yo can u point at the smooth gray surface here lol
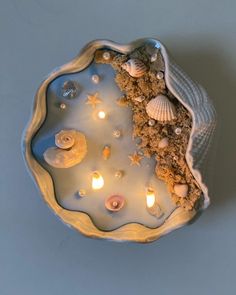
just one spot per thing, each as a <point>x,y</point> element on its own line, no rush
<point>38,254</point>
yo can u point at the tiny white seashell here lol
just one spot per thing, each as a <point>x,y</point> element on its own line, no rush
<point>119,174</point>
<point>135,67</point>
<point>116,133</point>
<point>161,109</point>
<point>181,190</point>
<point>153,57</point>
<point>82,192</point>
<point>71,149</point>
<point>139,98</point>
<point>164,142</point>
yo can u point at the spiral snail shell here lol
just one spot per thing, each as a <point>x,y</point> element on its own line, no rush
<point>71,149</point>
<point>135,67</point>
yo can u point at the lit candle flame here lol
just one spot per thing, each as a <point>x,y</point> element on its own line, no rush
<point>150,198</point>
<point>97,180</point>
<point>102,115</point>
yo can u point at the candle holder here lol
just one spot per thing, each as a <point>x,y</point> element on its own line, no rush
<point>159,131</point>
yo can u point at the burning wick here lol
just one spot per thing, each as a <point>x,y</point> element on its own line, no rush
<point>97,181</point>
<point>102,115</point>
<point>150,198</point>
<point>152,206</point>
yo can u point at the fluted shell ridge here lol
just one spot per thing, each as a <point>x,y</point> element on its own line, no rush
<point>195,99</point>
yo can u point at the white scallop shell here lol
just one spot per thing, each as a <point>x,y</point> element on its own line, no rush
<point>71,149</point>
<point>135,67</point>
<point>161,109</point>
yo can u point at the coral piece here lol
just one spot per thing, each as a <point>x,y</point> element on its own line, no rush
<point>71,149</point>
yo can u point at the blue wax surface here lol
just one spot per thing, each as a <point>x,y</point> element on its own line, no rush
<point>82,117</point>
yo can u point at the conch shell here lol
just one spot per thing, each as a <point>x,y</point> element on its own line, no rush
<point>135,67</point>
<point>161,109</point>
<point>71,149</point>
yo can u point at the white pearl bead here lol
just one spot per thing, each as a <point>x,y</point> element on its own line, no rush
<point>95,78</point>
<point>178,131</point>
<point>160,75</point>
<point>106,55</point>
<point>62,106</point>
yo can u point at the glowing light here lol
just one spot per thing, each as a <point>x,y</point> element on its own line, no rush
<point>97,180</point>
<point>150,198</point>
<point>102,115</point>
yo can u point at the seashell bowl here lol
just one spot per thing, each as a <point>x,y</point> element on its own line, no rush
<point>69,147</point>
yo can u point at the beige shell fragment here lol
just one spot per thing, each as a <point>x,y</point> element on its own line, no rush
<point>161,109</point>
<point>163,143</point>
<point>181,190</point>
<point>71,149</point>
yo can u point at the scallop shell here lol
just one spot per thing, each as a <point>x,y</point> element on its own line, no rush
<point>71,149</point>
<point>161,109</point>
<point>135,67</point>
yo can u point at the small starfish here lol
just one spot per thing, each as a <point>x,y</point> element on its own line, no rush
<point>93,99</point>
<point>135,159</point>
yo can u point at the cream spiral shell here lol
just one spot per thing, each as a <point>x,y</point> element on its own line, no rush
<point>161,109</point>
<point>71,149</point>
<point>135,67</point>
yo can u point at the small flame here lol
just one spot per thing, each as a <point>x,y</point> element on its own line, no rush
<point>150,198</point>
<point>97,180</point>
<point>102,115</point>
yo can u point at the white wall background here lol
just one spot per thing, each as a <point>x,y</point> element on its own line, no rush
<point>38,254</point>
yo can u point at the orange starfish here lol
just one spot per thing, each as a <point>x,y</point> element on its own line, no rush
<point>135,159</point>
<point>93,99</point>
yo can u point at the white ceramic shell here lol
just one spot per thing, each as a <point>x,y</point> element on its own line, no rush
<point>188,92</point>
<point>161,109</point>
<point>71,149</point>
<point>135,67</point>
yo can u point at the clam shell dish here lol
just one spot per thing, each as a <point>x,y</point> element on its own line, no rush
<point>118,142</point>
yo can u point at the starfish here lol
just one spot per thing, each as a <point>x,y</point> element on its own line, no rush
<point>135,159</point>
<point>93,99</point>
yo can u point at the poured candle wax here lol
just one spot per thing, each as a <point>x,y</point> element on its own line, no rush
<point>136,171</point>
